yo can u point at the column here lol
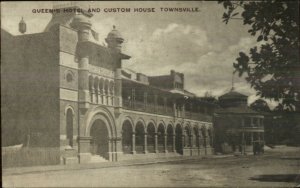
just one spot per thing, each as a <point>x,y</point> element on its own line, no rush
<point>145,143</point>
<point>118,88</point>
<point>110,149</point>
<point>174,143</point>
<point>118,147</point>
<point>112,95</point>
<point>133,143</point>
<point>183,111</point>
<point>99,93</point>
<point>92,90</point>
<point>156,144</point>
<point>174,108</point>
<point>199,140</point>
<point>104,93</point>
<point>165,143</point>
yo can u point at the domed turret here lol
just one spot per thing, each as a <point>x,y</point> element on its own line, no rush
<point>233,99</point>
<point>114,40</point>
<point>22,26</point>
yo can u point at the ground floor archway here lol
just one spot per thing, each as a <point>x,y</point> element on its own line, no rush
<point>99,139</point>
<point>178,139</point>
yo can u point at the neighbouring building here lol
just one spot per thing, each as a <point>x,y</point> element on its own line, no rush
<point>64,90</point>
<point>237,128</point>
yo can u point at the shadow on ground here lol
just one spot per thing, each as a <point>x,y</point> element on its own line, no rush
<point>277,178</point>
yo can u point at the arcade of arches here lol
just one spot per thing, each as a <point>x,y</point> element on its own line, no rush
<point>186,140</point>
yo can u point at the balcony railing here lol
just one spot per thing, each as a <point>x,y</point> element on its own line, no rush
<point>163,110</point>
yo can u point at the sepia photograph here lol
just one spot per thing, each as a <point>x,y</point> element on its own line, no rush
<point>150,93</point>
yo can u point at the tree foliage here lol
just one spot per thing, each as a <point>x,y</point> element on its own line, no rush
<point>272,66</point>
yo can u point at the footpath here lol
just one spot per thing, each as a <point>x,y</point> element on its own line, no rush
<point>41,169</point>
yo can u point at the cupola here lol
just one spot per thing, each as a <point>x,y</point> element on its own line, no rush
<point>114,40</point>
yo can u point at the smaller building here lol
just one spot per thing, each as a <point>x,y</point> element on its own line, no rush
<point>238,129</point>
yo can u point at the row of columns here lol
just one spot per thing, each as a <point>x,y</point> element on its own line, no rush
<point>100,94</point>
<point>201,142</point>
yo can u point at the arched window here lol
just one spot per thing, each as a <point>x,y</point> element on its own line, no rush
<point>127,137</point>
<point>160,137</point>
<point>178,139</point>
<point>139,137</point>
<point>170,137</point>
<point>151,138</point>
<point>69,127</point>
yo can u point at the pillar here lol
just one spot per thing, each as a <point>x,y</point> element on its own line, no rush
<point>118,88</point>
<point>110,149</point>
<point>118,147</point>
<point>145,143</point>
<point>174,143</point>
<point>165,143</point>
<point>174,109</point>
<point>156,143</point>
<point>133,143</point>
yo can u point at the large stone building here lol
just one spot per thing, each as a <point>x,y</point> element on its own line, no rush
<point>66,91</point>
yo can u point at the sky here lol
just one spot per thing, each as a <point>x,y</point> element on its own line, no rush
<point>197,44</point>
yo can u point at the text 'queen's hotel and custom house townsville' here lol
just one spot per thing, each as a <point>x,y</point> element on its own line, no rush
<point>116,10</point>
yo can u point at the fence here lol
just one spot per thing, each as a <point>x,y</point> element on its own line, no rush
<point>30,157</point>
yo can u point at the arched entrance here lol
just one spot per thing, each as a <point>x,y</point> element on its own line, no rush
<point>127,137</point>
<point>139,138</point>
<point>161,138</point>
<point>151,138</point>
<point>99,141</point>
<point>170,138</point>
<point>178,139</point>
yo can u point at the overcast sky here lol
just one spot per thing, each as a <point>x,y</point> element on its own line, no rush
<point>197,44</point>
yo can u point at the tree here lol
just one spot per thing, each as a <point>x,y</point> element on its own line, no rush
<point>271,67</point>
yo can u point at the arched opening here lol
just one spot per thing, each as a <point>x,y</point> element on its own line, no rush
<point>69,127</point>
<point>139,138</point>
<point>170,138</point>
<point>151,138</point>
<point>127,137</point>
<point>187,141</point>
<point>178,139</point>
<point>99,141</point>
<point>196,135</point>
<point>160,138</point>
<point>210,137</point>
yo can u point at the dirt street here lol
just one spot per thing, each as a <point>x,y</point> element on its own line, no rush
<point>278,167</point>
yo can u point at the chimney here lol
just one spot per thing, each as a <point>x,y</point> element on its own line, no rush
<point>22,26</point>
